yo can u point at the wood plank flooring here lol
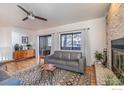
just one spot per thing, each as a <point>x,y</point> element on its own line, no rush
<point>90,70</point>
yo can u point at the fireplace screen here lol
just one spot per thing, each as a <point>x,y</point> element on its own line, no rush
<point>118,58</point>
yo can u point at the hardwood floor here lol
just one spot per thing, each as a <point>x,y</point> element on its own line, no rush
<point>14,66</point>
<point>90,70</point>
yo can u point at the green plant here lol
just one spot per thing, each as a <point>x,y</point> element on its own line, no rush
<point>98,56</point>
<point>120,76</point>
<point>110,80</point>
<point>29,46</point>
<point>16,46</point>
<point>21,47</point>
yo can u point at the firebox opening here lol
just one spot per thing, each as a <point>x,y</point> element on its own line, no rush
<point>118,58</point>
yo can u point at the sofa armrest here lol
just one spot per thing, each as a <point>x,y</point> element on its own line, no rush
<point>82,64</point>
<point>48,57</point>
<point>11,81</point>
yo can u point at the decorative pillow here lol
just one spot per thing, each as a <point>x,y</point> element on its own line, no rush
<point>66,55</point>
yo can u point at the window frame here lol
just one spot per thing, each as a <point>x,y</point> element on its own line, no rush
<point>72,48</point>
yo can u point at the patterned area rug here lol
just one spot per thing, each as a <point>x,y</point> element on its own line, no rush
<point>64,77</point>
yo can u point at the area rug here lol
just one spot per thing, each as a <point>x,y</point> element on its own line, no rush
<point>64,77</point>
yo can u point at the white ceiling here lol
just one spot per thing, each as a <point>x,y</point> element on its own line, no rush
<point>57,14</point>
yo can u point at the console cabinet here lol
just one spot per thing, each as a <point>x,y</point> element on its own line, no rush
<point>23,54</point>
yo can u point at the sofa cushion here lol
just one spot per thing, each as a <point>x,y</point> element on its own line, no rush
<point>66,55</point>
<point>74,56</point>
<point>57,54</point>
<point>3,75</point>
<point>52,60</point>
<point>57,61</point>
<point>73,63</point>
<point>61,62</point>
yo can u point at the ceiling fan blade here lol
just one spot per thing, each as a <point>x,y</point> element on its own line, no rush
<point>40,18</point>
<point>23,9</point>
<point>25,19</point>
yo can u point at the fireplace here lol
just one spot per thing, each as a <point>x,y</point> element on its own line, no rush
<point>118,58</point>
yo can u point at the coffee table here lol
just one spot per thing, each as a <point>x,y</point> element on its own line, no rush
<point>48,69</point>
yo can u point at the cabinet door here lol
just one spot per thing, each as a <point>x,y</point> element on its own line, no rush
<point>21,54</point>
<point>17,55</point>
<point>27,53</point>
<point>30,53</point>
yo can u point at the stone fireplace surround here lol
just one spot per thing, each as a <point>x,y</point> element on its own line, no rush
<point>114,27</point>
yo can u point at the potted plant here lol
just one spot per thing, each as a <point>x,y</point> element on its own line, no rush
<point>99,57</point>
<point>110,80</point>
<point>29,46</point>
<point>16,47</point>
<point>21,47</point>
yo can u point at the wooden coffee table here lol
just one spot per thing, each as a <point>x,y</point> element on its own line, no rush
<point>48,69</point>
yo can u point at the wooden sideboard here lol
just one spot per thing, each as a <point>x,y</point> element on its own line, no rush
<point>24,54</point>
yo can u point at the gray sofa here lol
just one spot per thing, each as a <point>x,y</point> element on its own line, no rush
<point>73,61</point>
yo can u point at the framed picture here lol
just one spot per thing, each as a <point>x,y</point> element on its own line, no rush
<point>24,40</point>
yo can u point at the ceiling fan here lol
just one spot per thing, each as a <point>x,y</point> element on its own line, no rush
<point>30,15</point>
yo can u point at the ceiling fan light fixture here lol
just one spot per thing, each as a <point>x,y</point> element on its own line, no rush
<point>31,17</point>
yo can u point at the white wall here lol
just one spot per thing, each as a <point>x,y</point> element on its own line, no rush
<point>97,33</point>
<point>97,37</point>
<point>17,34</point>
<point>9,36</point>
<point>5,36</point>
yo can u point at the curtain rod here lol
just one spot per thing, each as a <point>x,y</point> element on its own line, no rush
<point>68,31</point>
<point>74,30</point>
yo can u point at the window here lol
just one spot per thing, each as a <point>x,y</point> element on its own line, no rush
<point>71,41</point>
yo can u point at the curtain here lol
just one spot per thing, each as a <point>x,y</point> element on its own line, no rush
<point>86,46</point>
<point>53,44</point>
<point>37,48</point>
<point>83,42</point>
<point>57,41</point>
